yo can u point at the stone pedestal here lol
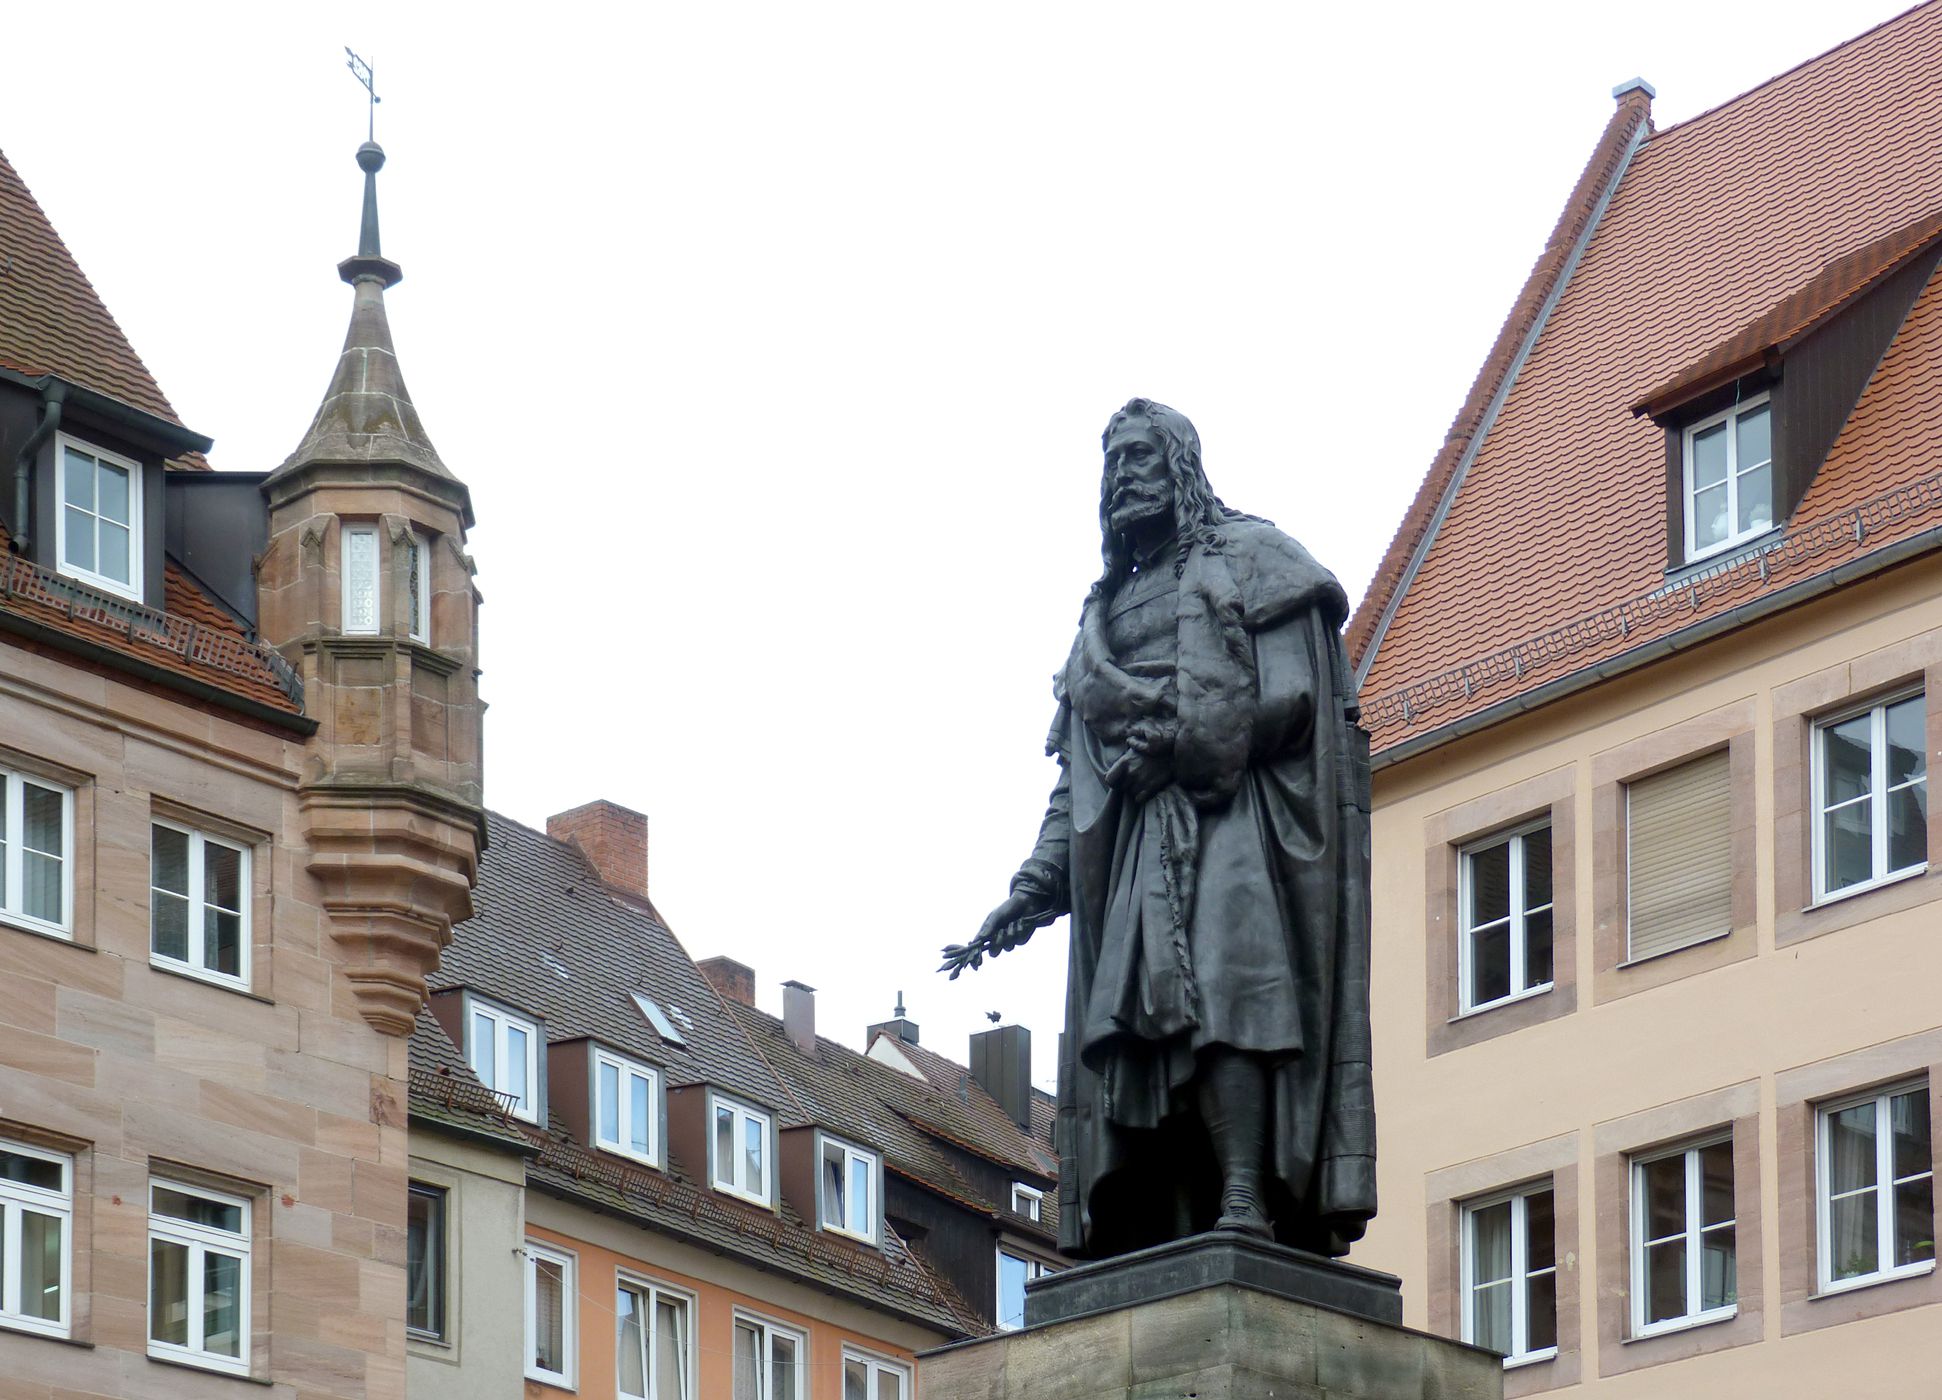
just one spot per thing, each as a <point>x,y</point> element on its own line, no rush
<point>1216,1317</point>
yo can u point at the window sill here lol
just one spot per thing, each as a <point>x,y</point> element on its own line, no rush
<point>1913,872</point>
<point>195,974</point>
<point>208,1368</point>
<point>1907,1271</point>
<point>1669,952</point>
<point>26,924</point>
<point>1536,1358</point>
<point>1684,1324</point>
<point>615,1150</point>
<point>842,1233</point>
<point>727,1190</point>
<point>1528,994</point>
<point>46,1331</point>
<point>101,583</point>
<point>1726,551</point>
<point>558,1382</point>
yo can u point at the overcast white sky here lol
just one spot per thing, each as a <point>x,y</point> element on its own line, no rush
<point>774,341</point>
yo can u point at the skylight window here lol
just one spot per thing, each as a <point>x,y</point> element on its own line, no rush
<point>658,1019</point>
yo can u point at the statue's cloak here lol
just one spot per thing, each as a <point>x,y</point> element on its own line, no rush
<point>1230,909</point>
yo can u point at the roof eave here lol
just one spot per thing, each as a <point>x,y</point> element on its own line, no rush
<point>1743,615</point>
<point>145,429</point>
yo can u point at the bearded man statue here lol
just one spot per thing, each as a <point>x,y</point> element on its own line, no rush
<point>1209,836</point>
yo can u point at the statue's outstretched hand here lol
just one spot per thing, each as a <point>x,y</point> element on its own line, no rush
<point>1008,926</point>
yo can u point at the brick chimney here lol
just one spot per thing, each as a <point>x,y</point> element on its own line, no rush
<point>1001,1062</point>
<point>734,980</point>
<point>613,838</point>
<point>799,1015</point>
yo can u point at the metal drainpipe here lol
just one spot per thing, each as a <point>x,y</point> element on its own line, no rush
<point>51,399</point>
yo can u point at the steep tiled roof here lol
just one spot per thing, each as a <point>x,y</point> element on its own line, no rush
<point>1724,231</point>
<point>976,1121</point>
<point>51,319</point>
<point>444,1090</point>
<point>549,938</point>
<point>903,1117</point>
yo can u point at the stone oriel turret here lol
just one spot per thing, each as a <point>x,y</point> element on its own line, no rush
<point>367,590</point>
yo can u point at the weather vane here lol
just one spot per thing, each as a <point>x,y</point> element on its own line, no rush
<point>362,72</point>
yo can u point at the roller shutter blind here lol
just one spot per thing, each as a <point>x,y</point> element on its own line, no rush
<point>1679,884</point>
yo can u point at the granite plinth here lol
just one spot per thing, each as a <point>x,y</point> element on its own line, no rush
<point>1223,1341</point>
<point>1217,1257</point>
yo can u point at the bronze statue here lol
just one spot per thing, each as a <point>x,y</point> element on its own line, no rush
<point>1209,835</point>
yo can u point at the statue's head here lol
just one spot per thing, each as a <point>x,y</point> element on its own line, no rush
<point>1152,473</point>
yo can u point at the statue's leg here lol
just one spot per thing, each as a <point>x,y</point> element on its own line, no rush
<point>1234,1106</point>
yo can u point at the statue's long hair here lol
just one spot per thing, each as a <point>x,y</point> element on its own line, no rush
<point>1198,513</point>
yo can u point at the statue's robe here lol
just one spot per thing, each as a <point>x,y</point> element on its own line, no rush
<point>1229,909</point>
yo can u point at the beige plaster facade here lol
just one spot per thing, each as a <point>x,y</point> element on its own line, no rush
<point>1746,1032</point>
<point>481,1355</point>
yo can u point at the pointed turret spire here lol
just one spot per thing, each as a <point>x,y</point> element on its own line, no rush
<point>367,417</point>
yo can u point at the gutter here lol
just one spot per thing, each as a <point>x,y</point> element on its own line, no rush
<point>59,640</point>
<point>1741,615</point>
<point>53,394</point>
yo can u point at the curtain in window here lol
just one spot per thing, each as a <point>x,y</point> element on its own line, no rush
<point>670,1349</point>
<point>549,1315</point>
<point>856,1380</point>
<point>1490,1277</point>
<point>44,850</point>
<point>1853,1236</point>
<point>632,1343</point>
<point>782,1369</point>
<point>40,1265</point>
<point>748,1363</point>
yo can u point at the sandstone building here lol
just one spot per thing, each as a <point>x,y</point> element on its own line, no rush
<point>239,813</point>
<point>1653,670</point>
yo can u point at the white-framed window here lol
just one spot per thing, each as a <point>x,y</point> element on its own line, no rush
<point>1684,1266</point>
<point>36,1238</point>
<point>551,1314</point>
<point>847,1188</point>
<point>503,1050</point>
<point>868,1377</point>
<point>426,1263</point>
<point>655,1344</point>
<point>626,1108</point>
<point>1870,796</point>
<point>198,901</point>
<point>418,587</point>
<point>362,594</point>
<point>1510,1274</point>
<point>198,1276</point>
<point>1014,1272</point>
<point>1876,1187</point>
<point>36,845</point>
<point>1027,1201</point>
<point>1729,477</point>
<point>770,1359</point>
<point>1504,893</point>
<point>740,1148</point>
<point>99,528</point>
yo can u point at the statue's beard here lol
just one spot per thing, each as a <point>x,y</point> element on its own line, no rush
<point>1131,509</point>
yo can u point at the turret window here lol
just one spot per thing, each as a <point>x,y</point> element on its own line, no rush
<point>99,525</point>
<point>418,586</point>
<point>361,580</point>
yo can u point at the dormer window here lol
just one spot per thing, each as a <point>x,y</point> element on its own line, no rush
<point>1027,1201</point>
<point>100,523</point>
<point>626,1108</point>
<point>360,580</point>
<point>847,1185</point>
<point>1729,477</point>
<point>740,1147</point>
<point>503,1050</point>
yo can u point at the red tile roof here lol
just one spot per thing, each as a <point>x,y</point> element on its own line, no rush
<point>190,636</point>
<point>1725,234</point>
<point>52,321</point>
